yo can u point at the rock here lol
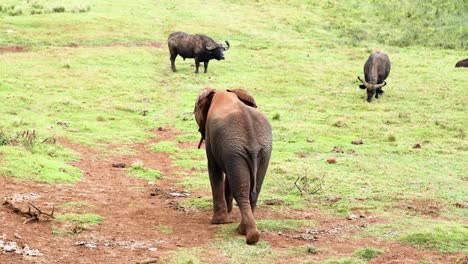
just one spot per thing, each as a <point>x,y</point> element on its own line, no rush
<point>161,129</point>
<point>10,247</point>
<point>357,142</point>
<point>337,150</point>
<point>353,217</point>
<point>310,140</point>
<point>63,123</point>
<point>180,194</point>
<point>417,146</point>
<point>119,165</point>
<point>273,202</point>
<point>185,118</point>
<point>331,160</point>
<point>153,249</point>
<point>333,198</point>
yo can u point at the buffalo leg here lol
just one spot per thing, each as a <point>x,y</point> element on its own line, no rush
<point>197,64</point>
<point>173,57</point>
<point>205,64</point>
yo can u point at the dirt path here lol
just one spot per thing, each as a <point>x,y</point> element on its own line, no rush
<point>132,212</point>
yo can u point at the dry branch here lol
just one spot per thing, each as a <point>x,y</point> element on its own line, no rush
<point>149,261</point>
<point>31,215</point>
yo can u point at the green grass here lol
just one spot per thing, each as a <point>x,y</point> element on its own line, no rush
<point>138,170</point>
<point>79,219</point>
<point>164,229</point>
<point>368,253</point>
<point>300,59</point>
<point>77,204</point>
<point>445,236</point>
<point>348,260</point>
<point>273,225</point>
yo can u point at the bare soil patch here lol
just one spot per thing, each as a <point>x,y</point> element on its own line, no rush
<point>12,49</point>
<point>142,221</point>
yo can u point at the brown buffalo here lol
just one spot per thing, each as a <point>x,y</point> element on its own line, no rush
<point>200,47</point>
<point>462,63</point>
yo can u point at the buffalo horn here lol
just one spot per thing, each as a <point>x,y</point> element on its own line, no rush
<point>227,43</point>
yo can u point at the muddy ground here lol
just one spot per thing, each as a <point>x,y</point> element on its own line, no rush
<point>132,208</point>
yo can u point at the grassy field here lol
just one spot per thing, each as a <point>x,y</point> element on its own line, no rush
<point>98,73</point>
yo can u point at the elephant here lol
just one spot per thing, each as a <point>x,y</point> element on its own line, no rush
<point>238,145</point>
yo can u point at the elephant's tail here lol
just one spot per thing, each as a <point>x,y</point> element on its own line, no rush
<point>253,179</point>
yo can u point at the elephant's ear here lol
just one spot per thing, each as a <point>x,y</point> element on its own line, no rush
<point>201,110</point>
<point>245,97</point>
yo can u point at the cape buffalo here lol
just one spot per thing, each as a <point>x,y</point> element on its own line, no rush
<point>200,47</point>
<point>462,63</point>
<point>376,70</point>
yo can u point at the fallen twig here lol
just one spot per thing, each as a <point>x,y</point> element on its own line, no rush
<point>149,261</point>
<point>31,215</point>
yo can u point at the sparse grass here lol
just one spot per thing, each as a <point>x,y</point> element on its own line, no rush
<point>298,58</point>
<point>348,260</point>
<point>445,236</point>
<point>272,225</point>
<point>78,204</point>
<point>164,229</point>
<point>138,170</point>
<point>368,253</point>
<point>202,203</point>
<point>80,219</point>
<point>238,252</point>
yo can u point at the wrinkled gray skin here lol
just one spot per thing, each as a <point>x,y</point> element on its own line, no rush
<point>238,148</point>
<point>376,70</point>
<point>200,47</point>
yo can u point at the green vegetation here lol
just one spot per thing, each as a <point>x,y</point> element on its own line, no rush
<point>368,253</point>
<point>238,252</point>
<point>141,172</point>
<point>164,229</point>
<point>79,219</point>
<point>78,204</point>
<point>442,235</point>
<point>342,261</point>
<point>101,75</point>
<point>282,225</point>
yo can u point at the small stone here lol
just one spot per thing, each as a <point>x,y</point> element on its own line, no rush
<point>10,247</point>
<point>353,217</point>
<point>331,160</point>
<point>417,146</point>
<point>160,128</point>
<point>17,236</point>
<point>337,150</point>
<point>153,249</point>
<point>357,142</point>
<point>119,165</point>
<point>274,202</point>
<point>185,118</point>
<point>310,140</point>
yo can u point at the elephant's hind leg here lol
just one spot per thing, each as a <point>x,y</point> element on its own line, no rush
<point>239,179</point>
<point>220,210</point>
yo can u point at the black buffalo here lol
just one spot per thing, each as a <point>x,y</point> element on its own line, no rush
<point>462,63</point>
<point>200,47</point>
<point>376,70</point>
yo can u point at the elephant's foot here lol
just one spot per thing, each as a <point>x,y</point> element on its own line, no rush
<point>252,237</point>
<point>220,219</point>
<point>241,229</point>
